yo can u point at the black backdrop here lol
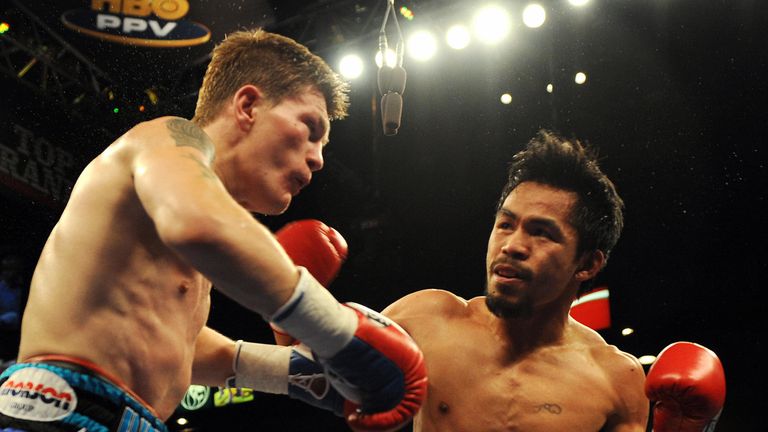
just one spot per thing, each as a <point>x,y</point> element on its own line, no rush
<point>674,101</point>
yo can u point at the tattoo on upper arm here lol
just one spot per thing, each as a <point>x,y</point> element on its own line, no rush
<point>188,134</point>
<point>204,169</point>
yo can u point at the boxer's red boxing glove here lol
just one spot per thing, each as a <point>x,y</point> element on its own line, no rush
<point>381,371</point>
<point>315,246</point>
<point>687,384</point>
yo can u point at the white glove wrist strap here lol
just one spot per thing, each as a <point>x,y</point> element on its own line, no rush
<point>313,316</point>
<point>261,367</point>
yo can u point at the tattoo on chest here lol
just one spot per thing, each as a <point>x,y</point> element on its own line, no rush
<point>547,407</point>
<point>188,134</point>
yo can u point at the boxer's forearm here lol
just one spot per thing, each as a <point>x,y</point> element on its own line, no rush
<point>214,354</point>
<point>243,261</point>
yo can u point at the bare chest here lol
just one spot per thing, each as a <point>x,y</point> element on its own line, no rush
<point>475,386</point>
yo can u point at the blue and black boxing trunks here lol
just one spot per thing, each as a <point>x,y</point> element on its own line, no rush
<point>63,394</point>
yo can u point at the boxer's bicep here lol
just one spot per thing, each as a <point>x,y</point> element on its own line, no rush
<point>175,186</point>
<point>175,181</point>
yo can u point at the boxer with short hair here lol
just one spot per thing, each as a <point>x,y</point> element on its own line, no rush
<point>514,359</point>
<point>114,330</point>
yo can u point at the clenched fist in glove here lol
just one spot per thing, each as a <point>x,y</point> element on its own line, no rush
<point>687,386</point>
<point>318,248</point>
<point>369,359</point>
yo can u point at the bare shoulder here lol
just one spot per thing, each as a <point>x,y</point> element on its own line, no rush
<point>425,305</point>
<point>168,132</point>
<point>428,300</point>
<point>616,363</point>
<point>624,371</point>
<point>627,379</point>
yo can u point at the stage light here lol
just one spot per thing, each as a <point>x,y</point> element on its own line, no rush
<point>534,15</point>
<point>142,108</point>
<point>647,359</point>
<point>152,95</point>
<point>406,13</point>
<point>578,2</point>
<point>627,331</point>
<point>4,27</point>
<point>391,58</point>
<point>491,24</point>
<point>550,88</point>
<point>422,45</point>
<point>506,98</point>
<point>181,421</point>
<point>115,110</point>
<point>580,78</point>
<point>351,66</point>
<point>457,37</point>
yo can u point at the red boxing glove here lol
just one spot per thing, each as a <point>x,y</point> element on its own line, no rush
<point>382,370</point>
<point>315,246</point>
<point>687,383</point>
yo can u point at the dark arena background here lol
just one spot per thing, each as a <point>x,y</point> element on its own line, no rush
<point>672,92</point>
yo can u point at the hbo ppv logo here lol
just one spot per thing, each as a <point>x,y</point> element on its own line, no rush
<point>164,9</point>
<point>138,22</point>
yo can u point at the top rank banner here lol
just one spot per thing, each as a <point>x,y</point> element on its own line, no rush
<point>151,23</point>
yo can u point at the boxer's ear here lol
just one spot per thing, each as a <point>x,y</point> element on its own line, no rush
<point>590,264</point>
<point>245,103</point>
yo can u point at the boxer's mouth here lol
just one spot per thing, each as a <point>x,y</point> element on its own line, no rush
<point>509,271</point>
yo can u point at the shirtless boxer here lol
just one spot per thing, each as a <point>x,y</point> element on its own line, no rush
<point>114,330</point>
<point>524,363</point>
<point>514,359</point>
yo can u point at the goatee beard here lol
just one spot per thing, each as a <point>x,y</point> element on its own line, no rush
<point>505,309</point>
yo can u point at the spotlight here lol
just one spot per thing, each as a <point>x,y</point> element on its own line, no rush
<point>422,45</point>
<point>391,60</point>
<point>351,66</point>
<point>491,24</point>
<point>534,15</point>
<point>506,98</point>
<point>457,37</point>
<point>580,78</point>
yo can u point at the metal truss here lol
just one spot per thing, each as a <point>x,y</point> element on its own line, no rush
<point>38,58</point>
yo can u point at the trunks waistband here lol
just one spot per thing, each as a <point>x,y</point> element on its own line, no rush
<point>73,392</point>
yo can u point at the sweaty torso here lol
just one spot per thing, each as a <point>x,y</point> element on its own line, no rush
<point>107,290</point>
<point>476,384</point>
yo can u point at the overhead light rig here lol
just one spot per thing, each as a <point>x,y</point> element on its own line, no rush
<point>36,57</point>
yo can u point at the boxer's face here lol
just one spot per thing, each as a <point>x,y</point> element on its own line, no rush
<point>531,259</point>
<point>281,151</point>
